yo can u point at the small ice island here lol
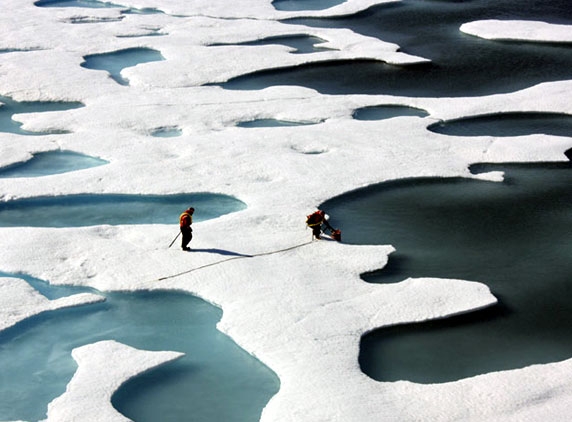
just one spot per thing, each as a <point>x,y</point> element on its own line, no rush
<point>519,31</point>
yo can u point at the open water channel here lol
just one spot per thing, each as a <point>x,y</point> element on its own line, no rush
<point>513,236</point>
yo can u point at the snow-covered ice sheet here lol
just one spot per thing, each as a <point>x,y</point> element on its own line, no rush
<point>310,292</point>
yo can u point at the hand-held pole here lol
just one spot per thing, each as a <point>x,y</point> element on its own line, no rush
<point>176,237</point>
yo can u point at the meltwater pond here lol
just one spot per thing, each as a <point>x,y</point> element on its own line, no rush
<point>271,123</point>
<point>507,124</point>
<point>291,5</point>
<point>114,62</point>
<point>387,112</point>
<point>513,236</point>
<point>90,4</point>
<point>215,380</point>
<point>92,210</point>
<point>51,162</point>
<point>94,4</point>
<point>302,44</point>
<point>167,132</point>
<point>9,107</point>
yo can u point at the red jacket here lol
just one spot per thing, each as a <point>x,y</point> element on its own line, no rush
<point>315,219</point>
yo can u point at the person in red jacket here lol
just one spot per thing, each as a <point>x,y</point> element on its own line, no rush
<point>315,222</point>
<point>185,221</point>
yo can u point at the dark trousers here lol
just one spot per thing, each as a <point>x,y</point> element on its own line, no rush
<point>187,233</point>
<point>317,231</point>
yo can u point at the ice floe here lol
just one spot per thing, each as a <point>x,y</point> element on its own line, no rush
<point>514,30</point>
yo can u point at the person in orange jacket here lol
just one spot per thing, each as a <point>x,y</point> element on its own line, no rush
<point>185,221</point>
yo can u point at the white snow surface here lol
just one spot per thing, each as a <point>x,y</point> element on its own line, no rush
<point>19,300</point>
<point>302,309</point>
<point>101,370</point>
<point>513,30</point>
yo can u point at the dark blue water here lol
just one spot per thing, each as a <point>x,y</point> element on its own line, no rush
<point>52,162</point>
<point>116,61</point>
<point>507,124</point>
<point>94,4</point>
<point>303,44</point>
<point>462,65</point>
<point>92,210</point>
<point>387,112</point>
<point>271,123</point>
<point>91,4</point>
<point>10,107</point>
<point>513,236</point>
<point>215,380</point>
<point>295,5</point>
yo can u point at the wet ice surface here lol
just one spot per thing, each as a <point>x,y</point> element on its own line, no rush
<point>166,132</point>
<point>258,264</point>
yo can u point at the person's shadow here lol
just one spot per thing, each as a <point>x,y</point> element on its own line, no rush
<point>221,252</point>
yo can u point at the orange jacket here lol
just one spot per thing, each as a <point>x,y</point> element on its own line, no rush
<point>185,219</point>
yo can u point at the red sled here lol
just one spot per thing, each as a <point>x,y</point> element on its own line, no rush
<point>337,235</point>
